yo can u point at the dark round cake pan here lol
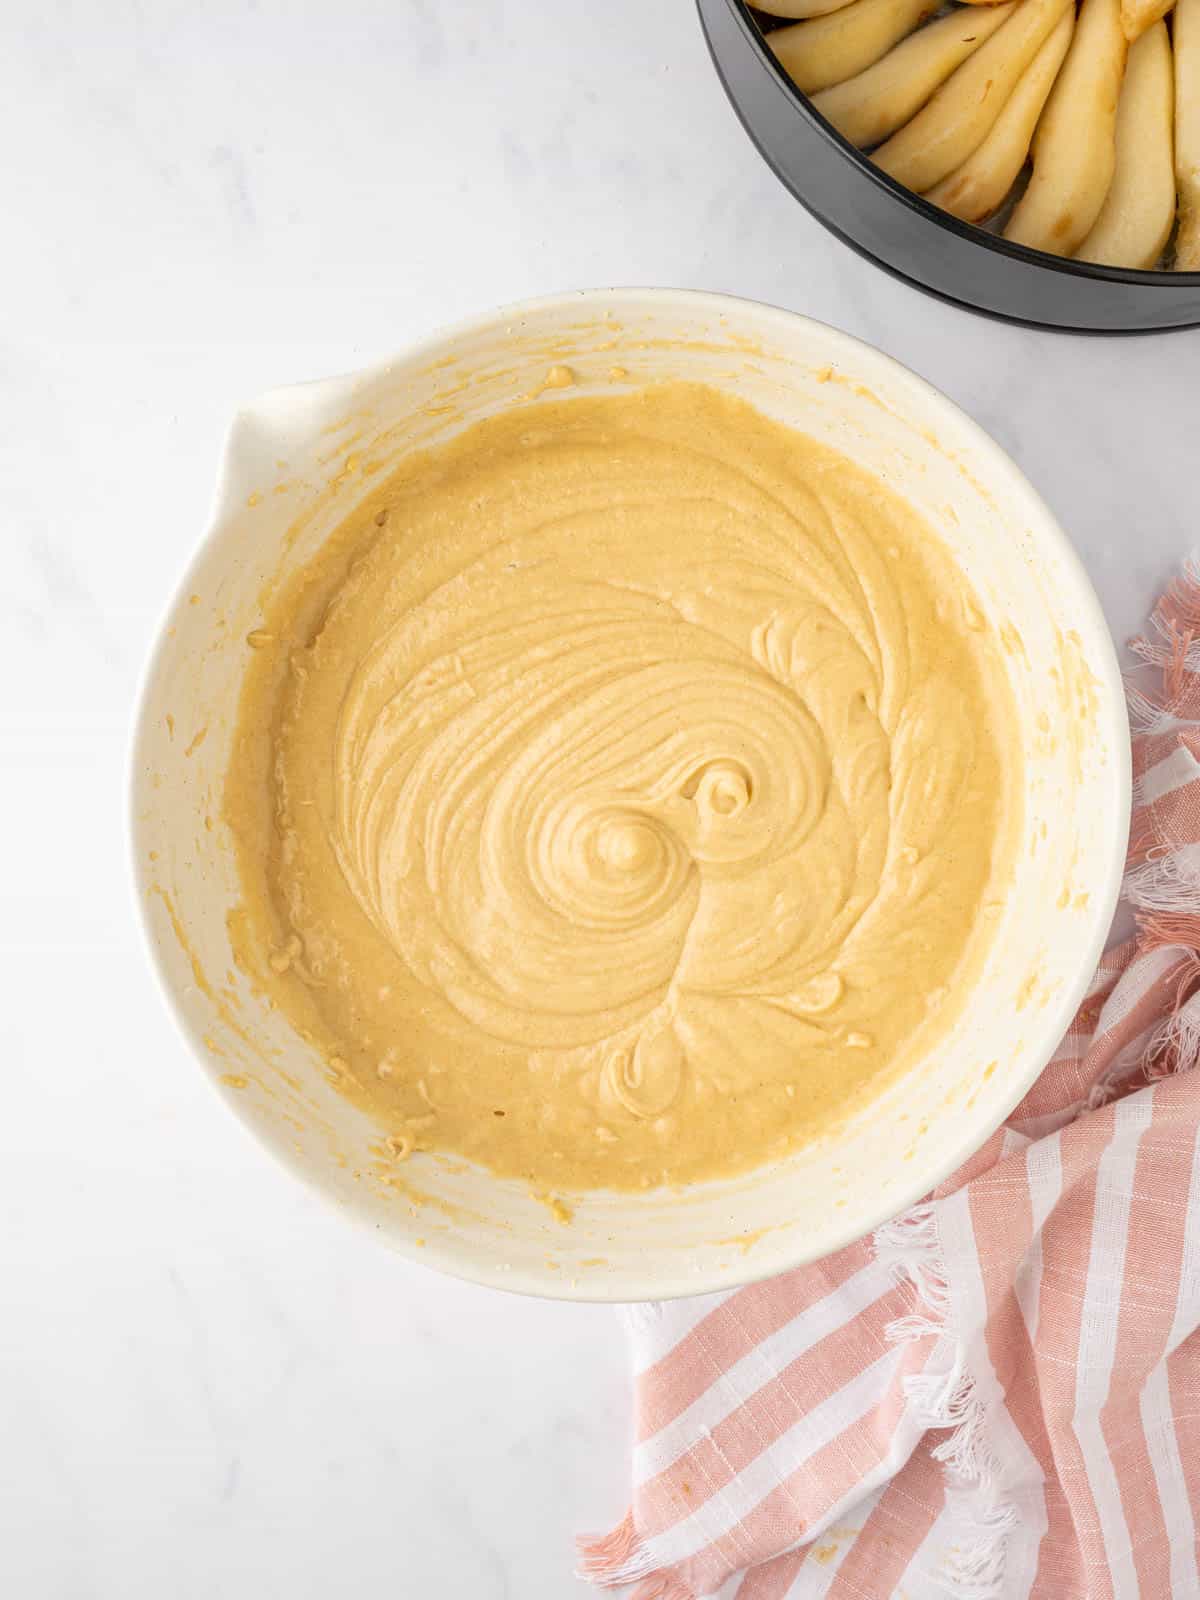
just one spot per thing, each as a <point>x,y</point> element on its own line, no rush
<point>911,238</point>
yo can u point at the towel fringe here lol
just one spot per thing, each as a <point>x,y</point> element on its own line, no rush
<point>1145,714</point>
<point>1166,881</point>
<point>1160,928</point>
<point>1175,1046</point>
<point>1175,650</point>
<point>910,1248</point>
<point>974,1569</point>
<point>1182,598</point>
<point>1171,644</point>
<point>1144,844</point>
<point>615,1559</point>
<point>945,1395</point>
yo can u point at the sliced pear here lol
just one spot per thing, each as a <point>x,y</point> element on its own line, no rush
<point>828,50</point>
<point>1138,15</point>
<point>1136,220</point>
<point>873,104</point>
<point>1186,35</point>
<point>963,111</point>
<point>798,9</point>
<point>1074,148</point>
<point>980,185</point>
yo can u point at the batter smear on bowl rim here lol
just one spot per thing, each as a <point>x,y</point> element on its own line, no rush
<point>626,792</point>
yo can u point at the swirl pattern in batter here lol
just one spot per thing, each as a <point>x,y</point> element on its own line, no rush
<point>623,797</point>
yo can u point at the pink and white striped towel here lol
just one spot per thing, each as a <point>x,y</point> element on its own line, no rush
<point>999,1394</point>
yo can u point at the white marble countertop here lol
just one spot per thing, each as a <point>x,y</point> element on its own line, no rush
<point>209,1386</point>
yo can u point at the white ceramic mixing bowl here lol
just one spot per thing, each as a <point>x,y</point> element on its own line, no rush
<point>299,459</point>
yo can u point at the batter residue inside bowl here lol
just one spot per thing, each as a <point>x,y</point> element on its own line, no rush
<point>622,793</point>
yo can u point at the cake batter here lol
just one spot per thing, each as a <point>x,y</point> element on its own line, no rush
<point>618,793</point>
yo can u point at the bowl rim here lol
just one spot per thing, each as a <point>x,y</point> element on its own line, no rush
<point>637,1285</point>
<point>1067,266</point>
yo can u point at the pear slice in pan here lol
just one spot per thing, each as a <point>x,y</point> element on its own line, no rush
<point>1139,213</point>
<point>828,50</point>
<point>1138,15</point>
<point>873,104</point>
<point>963,111</point>
<point>980,185</point>
<point>1074,148</point>
<point>1186,37</point>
